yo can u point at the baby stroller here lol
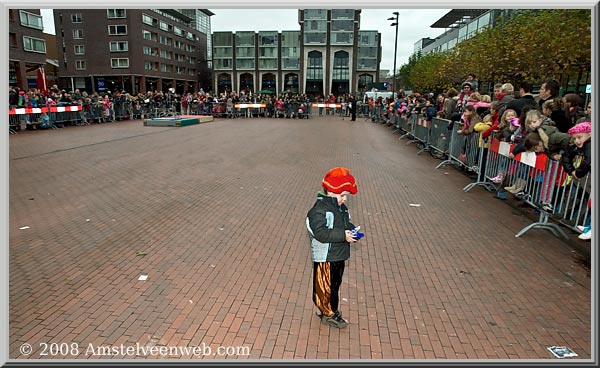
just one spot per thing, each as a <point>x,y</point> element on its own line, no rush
<point>219,110</point>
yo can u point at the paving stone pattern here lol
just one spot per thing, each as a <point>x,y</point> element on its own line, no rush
<point>214,214</point>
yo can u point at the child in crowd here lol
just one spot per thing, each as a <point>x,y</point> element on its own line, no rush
<point>510,134</point>
<point>553,140</point>
<point>329,228</point>
<point>505,120</point>
<point>577,162</point>
<point>553,144</point>
<point>44,122</point>
<point>468,120</point>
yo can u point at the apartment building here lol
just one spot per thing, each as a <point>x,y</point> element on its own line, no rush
<point>135,50</point>
<point>27,47</point>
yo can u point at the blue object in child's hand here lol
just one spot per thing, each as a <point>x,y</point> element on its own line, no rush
<point>355,234</point>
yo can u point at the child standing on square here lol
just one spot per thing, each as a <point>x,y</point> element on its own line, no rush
<point>329,228</point>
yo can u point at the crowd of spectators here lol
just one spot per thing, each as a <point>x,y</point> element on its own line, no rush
<point>559,127</point>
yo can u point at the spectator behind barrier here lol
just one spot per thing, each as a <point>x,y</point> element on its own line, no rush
<point>467,90</point>
<point>553,140</point>
<point>472,79</point>
<point>581,148</point>
<point>587,116</point>
<point>573,107</point>
<point>468,119</point>
<point>505,96</point>
<point>554,110</point>
<point>549,90</point>
<point>577,162</point>
<point>525,98</point>
<point>505,124</point>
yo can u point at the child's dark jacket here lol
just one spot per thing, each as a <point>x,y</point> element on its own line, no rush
<point>327,224</point>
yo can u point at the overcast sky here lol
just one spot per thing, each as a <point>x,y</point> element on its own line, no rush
<point>414,24</point>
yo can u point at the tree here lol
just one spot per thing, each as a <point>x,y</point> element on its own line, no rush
<point>531,45</point>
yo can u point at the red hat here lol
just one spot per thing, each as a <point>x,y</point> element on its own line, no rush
<point>338,180</point>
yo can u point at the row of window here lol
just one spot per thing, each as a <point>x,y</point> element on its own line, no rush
<point>289,63</point>
<point>113,30</point>
<point>110,14</point>
<point>114,63</point>
<point>168,68</point>
<point>337,38</point>
<point>151,21</point>
<point>467,31</point>
<point>168,41</point>
<point>119,63</point>
<point>263,63</point>
<point>335,14</point>
<point>244,52</point>
<point>154,51</point>
<point>225,39</point>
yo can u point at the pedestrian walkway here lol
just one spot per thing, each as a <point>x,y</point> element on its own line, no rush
<point>214,215</point>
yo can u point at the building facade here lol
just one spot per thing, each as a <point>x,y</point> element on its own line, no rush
<point>328,55</point>
<point>135,50</point>
<point>27,47</point>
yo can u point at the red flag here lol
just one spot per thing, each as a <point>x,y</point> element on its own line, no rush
<point>42,82</point>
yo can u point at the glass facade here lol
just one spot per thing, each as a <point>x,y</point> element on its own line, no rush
<point>367,50</point>
<point>244,50</point>
<point>268,43</point>
<point>223,50</point>
<point>470,29</point>
<point>315,26</point>
<point>314,70</point>
<point>290,50</point>
<point>342,27</point>
<point>201,22</point>
<point>341,66</point>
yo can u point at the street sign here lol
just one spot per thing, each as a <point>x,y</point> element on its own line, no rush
<point>588,88</point>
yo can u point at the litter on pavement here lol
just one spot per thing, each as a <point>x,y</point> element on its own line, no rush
<point>562,352</point>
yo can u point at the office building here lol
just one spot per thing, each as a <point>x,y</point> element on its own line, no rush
<point>328,55</point>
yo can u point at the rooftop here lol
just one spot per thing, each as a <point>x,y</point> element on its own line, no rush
<point>455,17</point>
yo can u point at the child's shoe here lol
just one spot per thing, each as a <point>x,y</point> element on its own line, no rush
<point>498,179</point>
<point>334,320</point>
<point>586,236</point>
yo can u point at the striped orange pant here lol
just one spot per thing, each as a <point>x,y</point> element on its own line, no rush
<point>327,279</point>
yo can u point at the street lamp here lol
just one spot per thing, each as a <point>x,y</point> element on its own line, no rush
<point>395,46</point>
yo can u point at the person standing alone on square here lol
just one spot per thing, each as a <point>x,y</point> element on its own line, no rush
<point>352,106</point>
<point>329,228</point>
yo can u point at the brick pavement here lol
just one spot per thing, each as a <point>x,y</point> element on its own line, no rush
<point>214,214</point>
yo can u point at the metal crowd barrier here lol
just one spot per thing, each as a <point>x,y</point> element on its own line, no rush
<point>411,122</point>
<point>463,150</point>
<point>250,109</point>
<point>534,178</point>
<point>377,113</point>
<point>440,135</point>
<point>421,132</point>
<point>58,116</point>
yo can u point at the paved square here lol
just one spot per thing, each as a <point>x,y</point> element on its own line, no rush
<point>214,214</point>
